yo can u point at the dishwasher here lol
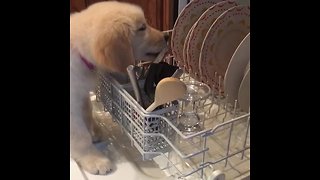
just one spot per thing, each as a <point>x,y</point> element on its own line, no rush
<point>221,150</point>
<point>157,148</point>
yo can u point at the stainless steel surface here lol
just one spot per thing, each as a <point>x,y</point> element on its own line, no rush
<point>177,73</point>
<point>161,56</point>
<point>133,79</point>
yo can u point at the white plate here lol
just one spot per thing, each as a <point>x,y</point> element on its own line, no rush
<point>187,17</point>
<point>185,49</point>
<point>244,92</point>
<point>221,41</point>
<point>248,66</point>
<point>200,29</point>
<point>236,69</point>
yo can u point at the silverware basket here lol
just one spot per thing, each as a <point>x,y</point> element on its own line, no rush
<point>138,124</point>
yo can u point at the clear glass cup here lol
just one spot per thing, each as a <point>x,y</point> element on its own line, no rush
<point>188,119</point>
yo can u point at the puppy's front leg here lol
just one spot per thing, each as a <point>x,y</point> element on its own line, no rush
<point>95,131</point>
<point>83,151</point>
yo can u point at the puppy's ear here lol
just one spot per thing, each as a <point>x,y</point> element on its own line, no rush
<point>113,49</point>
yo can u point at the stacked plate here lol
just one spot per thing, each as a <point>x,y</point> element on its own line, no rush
<point>211,41</point>
<point>187,17</point>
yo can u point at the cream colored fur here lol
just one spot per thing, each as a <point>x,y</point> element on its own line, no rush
<point>111,36</point>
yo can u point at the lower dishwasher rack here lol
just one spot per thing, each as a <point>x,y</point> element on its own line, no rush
<point>223,146</point>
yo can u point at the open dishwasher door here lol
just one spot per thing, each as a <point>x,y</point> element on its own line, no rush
<point>131,165</point>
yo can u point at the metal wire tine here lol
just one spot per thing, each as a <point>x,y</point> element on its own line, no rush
<point>213,91</point>
<point>174,61</point>
<point>196,75</point>
<point>168,60</point>
<point>184,72</point>
<point>245,140</point>
<point>211,103</point>
<point>219,86</point>
<point>226,109</point>
<point>215,76</point>
<point>226,102</point>
<point>203,120</point>
<point>190,72</point>
<point>203,154</point>
<point>217,102</point>
<point>235,108</point>
<point>225,116</point>
<point>229,141</point>
<point>219,95</point>
<point>219,91</point>
<point>182,107</point>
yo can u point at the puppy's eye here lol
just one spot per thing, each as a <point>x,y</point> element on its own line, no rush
<point>142,28</point>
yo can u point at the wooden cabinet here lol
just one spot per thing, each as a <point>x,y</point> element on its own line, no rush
<point>77,5</point>
<point>159,13</point>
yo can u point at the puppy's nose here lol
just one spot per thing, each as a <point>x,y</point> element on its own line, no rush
<point>166,36</point>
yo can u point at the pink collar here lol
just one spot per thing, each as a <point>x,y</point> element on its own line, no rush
<point>87,63</point>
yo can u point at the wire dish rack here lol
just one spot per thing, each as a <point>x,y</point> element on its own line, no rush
<point>223,146</point>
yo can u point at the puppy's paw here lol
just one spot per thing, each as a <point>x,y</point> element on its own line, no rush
<point>96,164</point>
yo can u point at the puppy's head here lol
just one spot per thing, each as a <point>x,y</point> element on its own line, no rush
<point>122,37</point>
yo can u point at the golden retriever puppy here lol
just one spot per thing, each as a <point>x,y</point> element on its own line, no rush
<point>110,36</point>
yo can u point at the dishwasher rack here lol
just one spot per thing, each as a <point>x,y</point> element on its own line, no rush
<point>223,145</point>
